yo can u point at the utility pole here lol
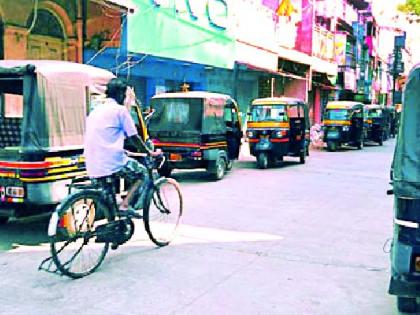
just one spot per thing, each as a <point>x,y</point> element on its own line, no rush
<point>398,65</point>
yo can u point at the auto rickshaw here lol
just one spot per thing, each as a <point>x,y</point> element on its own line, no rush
<point>278,127</point>
<point>43,108</point>
<point>405,176</point>
<point>392,121</point>
<point>344,123</point>
<point>196,130</point>
<point>377,122</point>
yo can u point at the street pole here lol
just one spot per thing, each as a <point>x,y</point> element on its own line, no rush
<point>394,75</point>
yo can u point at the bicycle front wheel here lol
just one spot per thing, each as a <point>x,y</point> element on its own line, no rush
<point>163,211</point>
<point>75,247</point>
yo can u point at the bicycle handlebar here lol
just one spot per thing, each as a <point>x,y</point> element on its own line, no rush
<point>138,154</point>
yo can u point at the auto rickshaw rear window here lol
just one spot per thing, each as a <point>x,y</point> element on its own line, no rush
<point>176,114</point>
<point>268,113</point>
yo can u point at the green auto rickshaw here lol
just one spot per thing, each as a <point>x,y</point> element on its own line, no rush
<point>196,130</point>
<point>405,175</point>
<point>377,123</point>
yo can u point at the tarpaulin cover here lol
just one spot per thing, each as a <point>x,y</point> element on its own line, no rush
<point>190,111</point>
<point>55,100</point>
<point>406,163</point>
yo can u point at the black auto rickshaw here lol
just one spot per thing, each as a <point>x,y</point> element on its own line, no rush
<point>278,127</point>
<point>43,108</point>
<point>377,123</point>
<point>196,130</point>
<point>405,175</point>
<point>344,123</point>
<point>392,121</point>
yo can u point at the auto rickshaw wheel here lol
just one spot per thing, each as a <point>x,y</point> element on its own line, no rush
<point>229,165</point>
<point>406,304</point>
<point>262,160</point>
<point>302,156</point>
<point>331,146</point>
<point>220,169</point>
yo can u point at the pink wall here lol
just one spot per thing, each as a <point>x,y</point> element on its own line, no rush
<point>317,106</point>
<point>296,88</point>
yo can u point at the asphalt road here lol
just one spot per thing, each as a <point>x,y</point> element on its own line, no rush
<point>295,239</point>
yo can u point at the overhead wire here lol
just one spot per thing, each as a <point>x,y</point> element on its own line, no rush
<point>35,17</point>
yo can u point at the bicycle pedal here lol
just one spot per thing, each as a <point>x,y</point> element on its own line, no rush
<point>129,214</point>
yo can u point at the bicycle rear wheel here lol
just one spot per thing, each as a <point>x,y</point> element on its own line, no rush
<point>162,211</point>
<point>73,238</point>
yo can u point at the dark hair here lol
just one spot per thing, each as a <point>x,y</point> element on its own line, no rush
<point>116,89</point>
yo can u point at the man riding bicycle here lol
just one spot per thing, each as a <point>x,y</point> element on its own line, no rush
<point>107,126</point>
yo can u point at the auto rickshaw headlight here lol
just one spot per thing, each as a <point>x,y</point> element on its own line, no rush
<point>417,264</point>
<point>279,133</point>
<point>250,134</point>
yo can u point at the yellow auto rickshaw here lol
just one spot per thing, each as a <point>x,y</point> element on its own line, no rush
<point>344,123</point>
<point>278,127</point>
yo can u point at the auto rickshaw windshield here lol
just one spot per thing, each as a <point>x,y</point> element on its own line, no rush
<point>268,113</point>
<point>337,114</point>
<point>176,114</point>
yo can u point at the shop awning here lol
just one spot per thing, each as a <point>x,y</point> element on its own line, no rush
<point>324,66</point>
<point>256,57</point>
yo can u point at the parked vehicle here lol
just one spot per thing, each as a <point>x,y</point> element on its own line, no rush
<point>377,123</point>
<point>196,130</point>
<point>405,175</point>
<point>344,124</point>
<point>278,127</point>
<point>44,105</point>
<point>393,123</point>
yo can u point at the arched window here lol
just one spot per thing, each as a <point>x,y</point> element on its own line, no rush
<point>47,38</point>
<point>46,24</point>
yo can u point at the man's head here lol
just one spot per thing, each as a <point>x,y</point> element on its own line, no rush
<point>116,89</point>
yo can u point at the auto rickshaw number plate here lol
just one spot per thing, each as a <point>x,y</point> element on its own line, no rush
<point>175,157</point>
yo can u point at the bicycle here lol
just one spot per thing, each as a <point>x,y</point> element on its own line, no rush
<point>88,220</point>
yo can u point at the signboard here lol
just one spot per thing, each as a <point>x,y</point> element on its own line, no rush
<point>340,48</point>
<point>191,30</point>
<point>323,43</point>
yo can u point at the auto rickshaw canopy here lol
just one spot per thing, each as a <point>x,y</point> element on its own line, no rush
<point>406,163</point>
<point>55,96</point>
<point>349,105</point>
<point>195,111</point>
<point>276,101</point>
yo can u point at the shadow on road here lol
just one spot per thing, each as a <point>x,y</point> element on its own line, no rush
<point>192,176</point>
<point>279,165</point>
<point>24,232</point>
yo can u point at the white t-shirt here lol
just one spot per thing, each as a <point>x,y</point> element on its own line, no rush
<point>106,128</point>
